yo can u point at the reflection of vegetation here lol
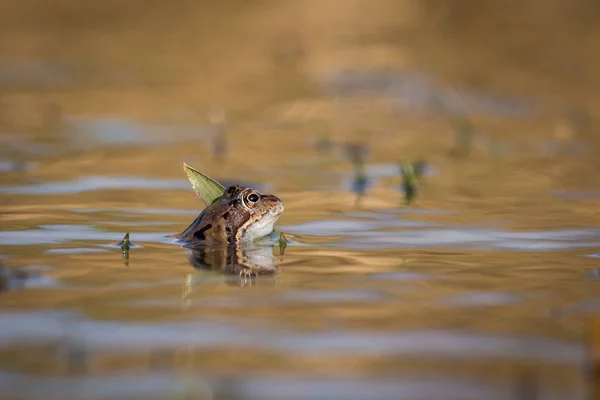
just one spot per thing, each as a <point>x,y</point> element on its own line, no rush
<point>463,138</point>
<point>359,184</point>
<point>357,154</point>
<point>11,277</point>
<point>419,168</point>
<point>282,243</point>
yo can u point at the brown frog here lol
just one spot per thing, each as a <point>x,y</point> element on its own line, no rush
<point>241,214</point>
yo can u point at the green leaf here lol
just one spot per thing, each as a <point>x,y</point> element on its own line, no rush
<point>205,187</point>
<point>410,182</point>
<point>282,243</point>
<point>125,246</point>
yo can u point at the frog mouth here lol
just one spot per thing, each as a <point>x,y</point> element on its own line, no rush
<point>265,224</point>
<point>270,216</point>
<point>277,211</point>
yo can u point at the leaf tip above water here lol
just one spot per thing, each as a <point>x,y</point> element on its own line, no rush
<point>205,187</point>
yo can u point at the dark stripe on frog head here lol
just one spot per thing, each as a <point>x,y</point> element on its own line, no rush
<point>235,202</point>
<point>228,229</point>
<point>199,234</point>
<point>233,191</point>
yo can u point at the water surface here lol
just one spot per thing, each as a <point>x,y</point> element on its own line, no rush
<point>486,287</point>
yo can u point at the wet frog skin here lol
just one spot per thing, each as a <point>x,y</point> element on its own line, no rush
<point>241,214</point>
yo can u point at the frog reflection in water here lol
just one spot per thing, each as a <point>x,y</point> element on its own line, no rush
<point>238,259</point>
<point>222,235</point>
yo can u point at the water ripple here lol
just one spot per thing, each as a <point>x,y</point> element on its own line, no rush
<point>263,387</point>
<point>48,326</point>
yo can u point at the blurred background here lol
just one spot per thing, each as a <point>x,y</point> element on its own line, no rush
<point>439,165</point>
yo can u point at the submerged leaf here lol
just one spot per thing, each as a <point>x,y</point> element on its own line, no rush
<point>205,187</point>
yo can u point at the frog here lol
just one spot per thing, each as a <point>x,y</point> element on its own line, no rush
<point>241,215</point>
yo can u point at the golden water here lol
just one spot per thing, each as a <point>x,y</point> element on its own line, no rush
<point>485,288</point>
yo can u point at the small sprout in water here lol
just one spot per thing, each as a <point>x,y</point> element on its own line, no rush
<point>463,139</point>
<point>410,182</point>
<point>282,243</point>
<point>125,245</point>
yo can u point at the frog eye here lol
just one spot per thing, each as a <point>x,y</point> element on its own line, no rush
<point>249,198</point>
